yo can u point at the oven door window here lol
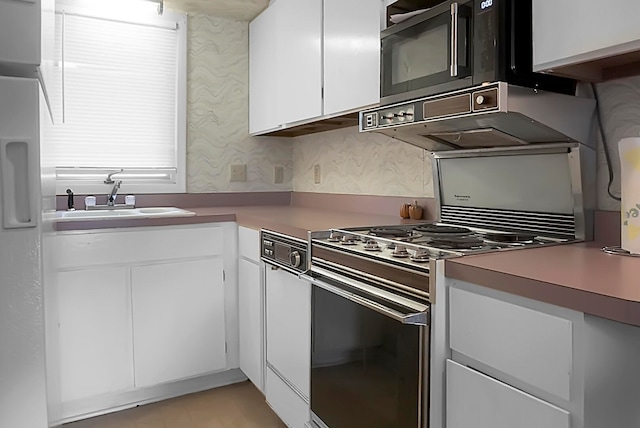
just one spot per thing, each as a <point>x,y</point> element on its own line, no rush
<point>420,56</point>
<point>365,367</point>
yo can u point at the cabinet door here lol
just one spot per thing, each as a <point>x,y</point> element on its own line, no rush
<point>178,320</point>
<point>96,353</point>
<point>298,59</point>
<point>289,327</point>
<point>263,93</point>
<point>574,31</point>
<point>289,406</point>
<point>250,315</point>
<point>479,401</point>
<point>531,346</point>
<point>351,55</point>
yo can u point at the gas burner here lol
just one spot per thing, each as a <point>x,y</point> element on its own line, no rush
<point>421,256</point>
<point>349,240</point>
<point>334,237</point>
<point>390,233</point>
<point>400,252</point>
<point>508,238</point>
<point>372,245</point>
<point>439,230</point>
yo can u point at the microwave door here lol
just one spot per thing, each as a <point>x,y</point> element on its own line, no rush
<point>427,54</point>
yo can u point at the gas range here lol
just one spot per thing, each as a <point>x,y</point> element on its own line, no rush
<point>415,245</point>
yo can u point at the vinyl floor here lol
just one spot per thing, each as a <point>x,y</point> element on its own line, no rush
<point>235,406</point>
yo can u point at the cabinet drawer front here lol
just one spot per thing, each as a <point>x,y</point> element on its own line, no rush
<point>479,401</point>
<point>135,246</point>
<point>288,405</point>
<point>531,346</point>
<point>249,243</point>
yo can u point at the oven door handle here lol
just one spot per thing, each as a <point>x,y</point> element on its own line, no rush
<point>418,318</point>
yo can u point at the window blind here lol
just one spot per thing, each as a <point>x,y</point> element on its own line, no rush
<point>120,96</point>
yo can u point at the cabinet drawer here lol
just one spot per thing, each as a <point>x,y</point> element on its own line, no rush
<point>531,346</point>
<point>476,400</point>
<point>136,245</point>
<point>288,405</point>
<point>249,243</point>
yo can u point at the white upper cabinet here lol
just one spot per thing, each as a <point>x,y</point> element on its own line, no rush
<point>302,49</point>
<point>589,40</point>
<point>263,114</point>
<point>351,55</point>
<point>20,32</point>
<point>299,60</point>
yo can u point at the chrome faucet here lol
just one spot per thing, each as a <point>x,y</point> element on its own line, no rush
<point>111,197</point>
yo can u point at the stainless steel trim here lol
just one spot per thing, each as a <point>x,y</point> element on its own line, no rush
<point>509,151</point>
<point>454,39</point>
<point>289,384</point>
<point>419,318</point>
<point>282,235</point>
<point>275,266</point>
<point>373,278</point>
<point>619,251</point>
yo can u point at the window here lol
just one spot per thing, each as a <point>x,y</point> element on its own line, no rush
<point>122,99</point>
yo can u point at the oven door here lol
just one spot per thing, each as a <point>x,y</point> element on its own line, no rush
<point>369,355</point>
<point>427,54</point>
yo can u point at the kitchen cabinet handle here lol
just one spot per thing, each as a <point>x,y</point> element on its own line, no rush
<point>419,318</point>
<point>454,39</point>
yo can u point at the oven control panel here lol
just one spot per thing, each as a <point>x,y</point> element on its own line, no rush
<point>283,251</point>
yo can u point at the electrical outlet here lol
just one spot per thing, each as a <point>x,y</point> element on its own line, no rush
<point>278,174</point>
<point>316,174</point>
<point>238,173</point>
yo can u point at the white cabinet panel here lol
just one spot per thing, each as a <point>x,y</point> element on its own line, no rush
<point>478,401</point>
<point>96,348</point>
<point>531,346</point>
<point>288,322</point>
<point>249,243</point>
<point>288,405</point>
<point>20,32</point>
<point>263,112</point>
<point>351,55</point>
<point>574,31</point>
<point>108,247</point>
<point>299,59</point>
<point>178,320</point>
<point>250,317</point>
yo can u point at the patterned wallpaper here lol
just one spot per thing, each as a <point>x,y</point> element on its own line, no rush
<point>355,163</point>
<point>217,113</point>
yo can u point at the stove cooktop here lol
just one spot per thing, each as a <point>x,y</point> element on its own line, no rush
<point>415,245</point>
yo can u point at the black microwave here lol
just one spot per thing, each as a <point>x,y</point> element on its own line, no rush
<point>460,44</point>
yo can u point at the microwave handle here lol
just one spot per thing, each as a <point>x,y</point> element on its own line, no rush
<point>454,39</point>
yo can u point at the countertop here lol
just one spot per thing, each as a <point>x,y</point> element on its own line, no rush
<point>290,220</point>
<point>576,276</point>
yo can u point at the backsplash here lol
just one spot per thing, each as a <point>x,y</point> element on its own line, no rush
<point>217,113</point>
<point>355,163</point>
<point>620,110</point>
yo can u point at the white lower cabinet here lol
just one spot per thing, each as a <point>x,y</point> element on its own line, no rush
<point>96,348</point>
<point>141,313</point>
<point>250,321</point>
<point>287,404</point>
<point>178,320</point>
<point>288,325</point>
<point>479,401</point>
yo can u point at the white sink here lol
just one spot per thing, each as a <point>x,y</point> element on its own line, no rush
<point>150,212</point>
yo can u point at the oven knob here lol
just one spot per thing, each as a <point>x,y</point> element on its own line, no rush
<point>479,100</point>
<point>295,259</point>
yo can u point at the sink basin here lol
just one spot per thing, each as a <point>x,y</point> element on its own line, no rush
<point>150,212</point>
